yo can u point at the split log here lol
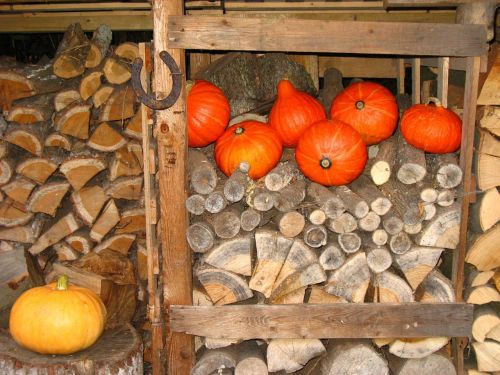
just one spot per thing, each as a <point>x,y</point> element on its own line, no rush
<point>223,287</point>
<point>73,120</point>
<point>436,363</point>
<point>485,213</point>
<point>400,243</point>
<point>370,222</point>
<point>202,175</point>
<point>102,95</point>
<point>110,264</point>
<point>129,188</point>
<point>281,175</point>
<point>487,171</point>
<point>214,361</point>
<point>487,355</point>
<point>66,97</point>
<point>251,360</point>
<point>353,202</point>
<point>476,278</point>
<point>494,333</point>
<point>272,251</point>
<point>65,253</point>
<point>37,169</point>
<point>23,234</point>
<point>134,125</point>
<point>443,230</point>
<point>349,242</point>
<point>47,198</point>
<point>80,241</point>
<point>411,164</point>
<point>390,288</point>
<point>297,282</point>
<point>417,262</point>
<point>326,200</point>
<point>332,257</point>
<point>19,189</point>
<point>72,52</point>
<point>236,185</point>
<point>59,141</point>
<point>32,109</point>
<point>291,196</point>
<point>318,295</point>
<point>81,169</point>
<point>290,224</point>
<point>116,70</point>
<point>107,220</point>
<point>62,228</point>
<point>142,260</point>
<point>200,237</point>
<point>483,253</point>
<point>345,223</point>
<point>490,119</point>
<point>383,164</point>
<point>446,169</point>
<point>485,319</point>
<point>88,202</point>
<point>6,171</point>
<point>133,220</point>
<point>119,106</point>
<point>127,160</point>
<point>195,204</point>
<point>99,44</point>
<point>90,83</point>
<point>482,294</point>
<point>120,243</point>
<point>119,350</point>
<point>106,138</point>
<point>350,357</point>
<point>351,280</point>
<point>13,214</point>
<point>234,255</point>
<point>315,235</point>
<point>378,258</point>
<point>291,355</point>
<point>128,51</point>
<point>13,267</point>
<point>30,137</point>
<point>365,188</point>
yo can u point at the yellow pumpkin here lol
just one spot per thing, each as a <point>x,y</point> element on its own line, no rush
<point>57,318</point>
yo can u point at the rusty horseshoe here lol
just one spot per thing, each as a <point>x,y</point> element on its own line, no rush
<point>150,99</point>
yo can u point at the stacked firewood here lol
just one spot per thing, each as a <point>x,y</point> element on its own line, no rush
<point>284,239</point>
<point>483,279</point>
<point>71,170</point>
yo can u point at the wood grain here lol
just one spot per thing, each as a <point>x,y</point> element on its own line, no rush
<point>363,320</point>
<point>229,33</point>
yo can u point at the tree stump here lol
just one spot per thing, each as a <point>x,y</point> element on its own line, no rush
<point>118,351</point>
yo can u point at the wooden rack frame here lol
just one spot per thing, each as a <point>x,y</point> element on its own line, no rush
<point>174,33</point>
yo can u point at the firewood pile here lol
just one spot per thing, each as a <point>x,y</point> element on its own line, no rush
<point>71,171</point>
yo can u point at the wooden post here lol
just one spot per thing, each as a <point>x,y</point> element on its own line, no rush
<point>401,76</point>
<point>415,77</point>
<point>172,145</point>
<point>442,80</point>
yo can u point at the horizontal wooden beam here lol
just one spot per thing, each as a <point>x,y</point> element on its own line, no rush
<point>290,35</point>
<point>301,5</point>
<point>424,3</point>
<point>352,320</point>
<point>69,7</point>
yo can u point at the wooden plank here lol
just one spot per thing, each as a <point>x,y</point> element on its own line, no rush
<point>352,320</point>
<point>424,3</point>
<point>302,5</point>
<point>442,80</point>
<point>67,7</point>
<point>171,135</point>
<point>415,78</point>
<point>360,66</point>
<point>401,76</point>
<point>259,34</point>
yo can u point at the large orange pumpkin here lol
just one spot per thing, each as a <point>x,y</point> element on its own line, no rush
<point>251,141</point>
<point>293,112</point>
<point>432,128</point>
<point>331,152</point>
<point>208,113</point>
<point>57,318</point>
<point>369,108</point>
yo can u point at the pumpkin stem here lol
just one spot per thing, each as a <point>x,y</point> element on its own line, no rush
<point>434,100</point>
<point>62,282</point>
<point>239,130</point>
<point>360,105</point>
<point>325,163</point>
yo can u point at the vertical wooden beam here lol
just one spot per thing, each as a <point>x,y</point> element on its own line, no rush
<point>171,134</point>
<point>197,62</point>
<point>466,154</point>
<point>311,64</point>
<point>401,76</point>
<point>442,80</point>
<point>415,78</point>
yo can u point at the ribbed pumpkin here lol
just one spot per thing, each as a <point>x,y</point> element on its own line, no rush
<point>57,318</point>
<point>251,141</point>
<point>369,108</point>
<point>432,128</point>
<point>208,113</point>
<point>293,112</point>
<point>331,152</point>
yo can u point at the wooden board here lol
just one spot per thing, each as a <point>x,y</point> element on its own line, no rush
<point>359,37</point>
<point>424,3</point>
<point>363,320</point>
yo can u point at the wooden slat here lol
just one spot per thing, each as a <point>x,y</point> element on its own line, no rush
<point>360,66</point>
<point>302,5</point>
<point>401,76</point>
<point>58,7</point>
<point>259,34</point>
<point>172,145</point>
<point>442,80</point>
<point>364,320</point>
<point>415,78</point>
<point>424,3</point>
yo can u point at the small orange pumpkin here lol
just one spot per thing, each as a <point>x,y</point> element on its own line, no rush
<point>331,152</point>
<point>432,128</point>
<point>369,108</point>
<point>293,112</point>
<point>57,318</point>
<point>251,141</point>
<point>208,113</point>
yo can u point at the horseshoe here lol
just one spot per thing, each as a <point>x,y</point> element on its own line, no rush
<point>150,99</point>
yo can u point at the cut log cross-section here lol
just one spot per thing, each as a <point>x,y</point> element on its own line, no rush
<point>485,212</point>
<point>223,287</point>
<point>30,137</point>
<point>19,189</point>
<point>367,190</point>
<point>66,97</point>
<point>102,95</point>
<point>234,255</point>
<point>79,241</point>
<point>354,203</point>
<point>59,141</point>
<point>411,164</point>
<point>74,120</point>
<point>119,106</point>
<point>202,175</point>
<point>13,214</point>
<point>328,201</point>
<point>291,355</point>
<point>383,164</point>
<point>32,109</point>
<point>36,169</point>
<point>106,138</point>
<point>47,198</point>
<point>442,230</point>
<point>446,170</point>
<point>132,220</point>
<point>117,70</point>
<point>99,44</point>
<point>72,53</point>
<point>120,243</point>
<point>134,125</point>
<point>90,83</point>
<point>62,228</point>
<point>88,203</point>
<point>417,262</point>
<point>79,170</point>
<point>390,288</point>
<point>6,171</point>
<point>483,253</point>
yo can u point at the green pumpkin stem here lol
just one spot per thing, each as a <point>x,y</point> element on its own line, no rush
<point>325,163</point>
<point>239,130</point>
<point>360,105</point>
<point>62,282</point>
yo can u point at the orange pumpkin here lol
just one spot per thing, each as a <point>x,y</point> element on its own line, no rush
<point>331,152</point>
<point>432,128</point>
<point>57,318</point>
<point>208,113</point>
<point>251,141</point>
<point>293,112</point>
<point>369,108</point>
